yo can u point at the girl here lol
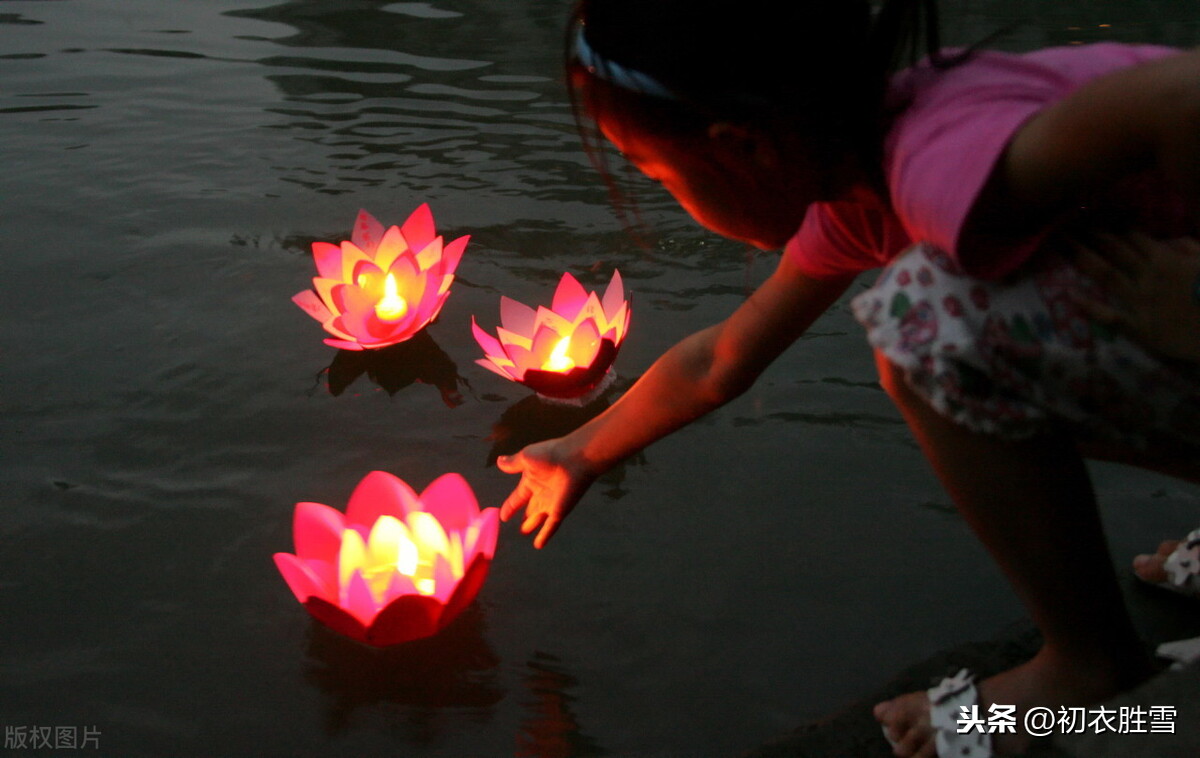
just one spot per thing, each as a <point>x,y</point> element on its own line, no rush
<point>778,124</point>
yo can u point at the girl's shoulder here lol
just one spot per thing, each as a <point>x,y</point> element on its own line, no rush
<point>986,75</point>
<point>953,124</point>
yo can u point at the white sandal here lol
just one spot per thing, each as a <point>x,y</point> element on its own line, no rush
<point>1183,567</point>
<point>946,703</point>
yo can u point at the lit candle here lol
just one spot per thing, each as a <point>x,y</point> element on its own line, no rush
<point>391,306</point>
<point>559,360</point>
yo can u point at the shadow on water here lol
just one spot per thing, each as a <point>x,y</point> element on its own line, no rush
<point>455,668</point>
<point>533,419</point>
<point>550,729</point>
<point>418,360</point>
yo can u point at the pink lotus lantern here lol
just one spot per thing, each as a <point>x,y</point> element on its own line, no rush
<point>381,287</point>
<point>396,566</point>
<point>564,351</point>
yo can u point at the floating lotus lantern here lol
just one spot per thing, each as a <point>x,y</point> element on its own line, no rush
<point>380,288</point>
<point>396,566</point>
<point>564,351</point>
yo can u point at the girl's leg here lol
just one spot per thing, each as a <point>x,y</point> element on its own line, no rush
<point>1031,503</point>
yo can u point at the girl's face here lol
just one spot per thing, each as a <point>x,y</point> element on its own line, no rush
<point>726,182</point>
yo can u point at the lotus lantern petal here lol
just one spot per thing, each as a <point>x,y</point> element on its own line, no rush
<point>396,566</point>
<point>381,287</point>
<point>563,351</point>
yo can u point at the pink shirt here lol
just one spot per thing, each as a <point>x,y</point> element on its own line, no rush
<point>941,150</point>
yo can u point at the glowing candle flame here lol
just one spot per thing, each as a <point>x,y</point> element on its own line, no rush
<point>559,360</point>
<point>391,306</point>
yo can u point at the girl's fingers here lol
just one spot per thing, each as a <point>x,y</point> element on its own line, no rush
<point>511,464</point>
<point>532,519</point>
<point>515,501</point>
<point>549,527</point>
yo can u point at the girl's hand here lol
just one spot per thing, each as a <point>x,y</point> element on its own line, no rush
<point>1152,288</point>
<point>552,481</point>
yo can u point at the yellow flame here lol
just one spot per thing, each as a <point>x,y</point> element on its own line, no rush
<point>559,360</point>
<point>391,306</point>
<point>396,547</point>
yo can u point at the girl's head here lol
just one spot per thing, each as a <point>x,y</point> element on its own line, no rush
<point>746,110</point>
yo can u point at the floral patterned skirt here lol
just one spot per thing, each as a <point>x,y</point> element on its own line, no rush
<point>1018,358</point>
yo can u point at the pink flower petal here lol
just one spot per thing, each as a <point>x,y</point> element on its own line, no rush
<point>516,317</point>
<point>585,343</point>
<point>487,529</point>
<point>335,618</point>
<point>621,321</point>
<point>614,295</point>
<point>359,602</point>
<point>409,280</point>
<point>367,233</point>
<point>418,230</point>
<point>408,617</point>
<point>465,592</point>
<point>325,289</point>
<point>548,318</point>
<point>490,345</point>
<point>352,259</point>
<point>592,309</point>
<point>354,323</point>
<point>328,259</point>
<point>317,531</point>
<point>326,574</point>
<point>522,360</point>
<point>512,339</point>
<point>544,342</point>
<point>399,585</point>
<point>496,368</point>
<point>444,579</point>
<point>311,304</point>
<point>332,325</point>
<point>377,494</point>
<point>569,297</point>
<point>430,302</point>
<point>391,248</point>
<point>344,344</point>
<point>451,255</point>
<point>451,501</point>
<point>299,578</point>
<point>430,255</point>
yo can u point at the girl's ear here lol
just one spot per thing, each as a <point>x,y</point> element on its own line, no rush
<point>745,144</point>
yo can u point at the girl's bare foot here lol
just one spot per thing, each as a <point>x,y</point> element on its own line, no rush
<point>1045,680</point>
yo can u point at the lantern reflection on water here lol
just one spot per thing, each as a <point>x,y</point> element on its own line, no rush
<point>563,351</point>
<point>381,287</point>
<point>396,566</point>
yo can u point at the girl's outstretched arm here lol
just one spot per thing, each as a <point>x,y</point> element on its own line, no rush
<point>703,372</point>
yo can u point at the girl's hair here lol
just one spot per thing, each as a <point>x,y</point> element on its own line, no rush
<point>673,67</point>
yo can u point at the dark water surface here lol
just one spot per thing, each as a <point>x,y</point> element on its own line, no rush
<point>166,165</point>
